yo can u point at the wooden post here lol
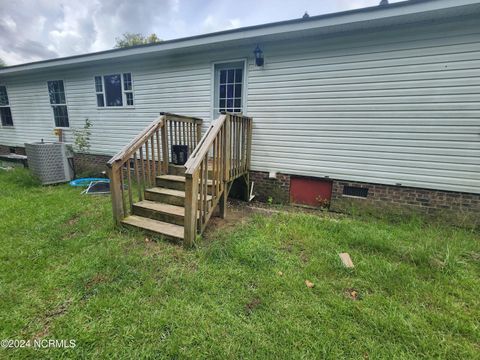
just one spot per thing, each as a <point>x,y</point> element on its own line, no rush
<point>198,133</point>
<point>116,193</point>
<point>191,202</point>
<point>227,150</point>
<point>249,129</point>
<point>249,143</point>
<point>222,204</point>
<point>246,194</point>
<point>165,145</point>
<point>227,155</point>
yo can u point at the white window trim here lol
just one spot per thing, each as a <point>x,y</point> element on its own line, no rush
<point>124,97</point>
<point>5,106</point>
<point>214,89</point>
<point>66,104</point>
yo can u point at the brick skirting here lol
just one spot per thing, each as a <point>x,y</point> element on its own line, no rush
<point>85,164</point>
<point>278,189</point>
<point>458,207</point>
<point>90,164</point>
<point>4,150</point>
<point>379,197</point>
<point>407,196</point>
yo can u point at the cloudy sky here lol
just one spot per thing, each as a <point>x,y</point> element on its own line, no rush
<point>32,30</point>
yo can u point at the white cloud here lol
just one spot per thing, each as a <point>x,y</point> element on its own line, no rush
<point>10,23</point>
<point>32,30</point>
<point>212,24</point>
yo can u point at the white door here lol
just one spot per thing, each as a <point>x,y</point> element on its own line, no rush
<point>229,88</point>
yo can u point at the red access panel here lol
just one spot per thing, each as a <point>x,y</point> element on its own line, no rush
<point>310,191</point>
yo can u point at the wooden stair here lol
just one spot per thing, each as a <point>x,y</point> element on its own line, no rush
<point>162,212</point>
<point>177,202</point>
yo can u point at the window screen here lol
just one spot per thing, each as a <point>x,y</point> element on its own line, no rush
<point>5,112</point>
<point>56,92</point>
<point>114,90</point>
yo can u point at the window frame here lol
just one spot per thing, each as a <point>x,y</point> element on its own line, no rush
<point>9,105</point>
<point>122,85</point>
<point>216,65</point>
<point>66,104</point>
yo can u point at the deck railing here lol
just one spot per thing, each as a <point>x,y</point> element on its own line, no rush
<point>222,155</point>
<point>147,156</point>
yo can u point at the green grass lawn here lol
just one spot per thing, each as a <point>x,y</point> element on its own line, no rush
<point>66,273</point>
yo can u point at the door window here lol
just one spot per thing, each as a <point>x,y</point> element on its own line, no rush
<point>229,87</point>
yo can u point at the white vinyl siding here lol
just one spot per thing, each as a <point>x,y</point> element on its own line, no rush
<point>180,88</point>
<point>390,107</point>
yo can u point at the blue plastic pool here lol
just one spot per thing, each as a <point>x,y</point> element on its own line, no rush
<point>84,182</point>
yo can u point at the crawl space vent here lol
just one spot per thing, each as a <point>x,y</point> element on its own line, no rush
<point>355,191</point>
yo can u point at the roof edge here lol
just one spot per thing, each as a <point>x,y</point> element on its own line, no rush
<point>221,35</point>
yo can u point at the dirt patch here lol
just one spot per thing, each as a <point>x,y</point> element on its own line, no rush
<point>73,220</point>
<point>95,280</point>
<point>287,247</point>
<point>303,256</point>
<point>91,286</point>
<point>70,230</point>
<point>353,294</point>
<point>266,208</point>
<point>238,213</point>
<point>49,317</point>
<point>252,305</point>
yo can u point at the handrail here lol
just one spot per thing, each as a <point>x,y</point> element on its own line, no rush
<point>203,146</point>
<point>146,157</point>
<point>222,155</point>
<point>177,117</point>
<point>128,149</point>
<point>133,145</point>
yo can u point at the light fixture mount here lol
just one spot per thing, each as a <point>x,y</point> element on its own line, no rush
<point>259,61</point>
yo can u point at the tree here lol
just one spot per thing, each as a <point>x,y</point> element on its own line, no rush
<point>2,63</point>
<point>133,39</point>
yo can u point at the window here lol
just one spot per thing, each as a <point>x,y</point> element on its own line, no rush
<point>99,91</point>
<point>355,191</point>
<point>114,90</point>
<point>5,112</point>
<point>229,87</point>
<point>56,92</point>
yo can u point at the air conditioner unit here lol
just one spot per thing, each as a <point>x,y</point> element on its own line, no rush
<point>50,161</point>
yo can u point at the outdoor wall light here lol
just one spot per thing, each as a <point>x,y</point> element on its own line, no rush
<point>258,56</point>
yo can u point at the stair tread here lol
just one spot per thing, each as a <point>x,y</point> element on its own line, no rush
<point>177,178</point>
<point>172,177</point>
<point>165,191</point>
<point>161,207</point>
<point>172,230</point>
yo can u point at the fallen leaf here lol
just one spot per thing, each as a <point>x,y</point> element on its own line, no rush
<point>309,284</point>
<point>352,294</point>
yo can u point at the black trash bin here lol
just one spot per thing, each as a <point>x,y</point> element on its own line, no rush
<point>179,154</point>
